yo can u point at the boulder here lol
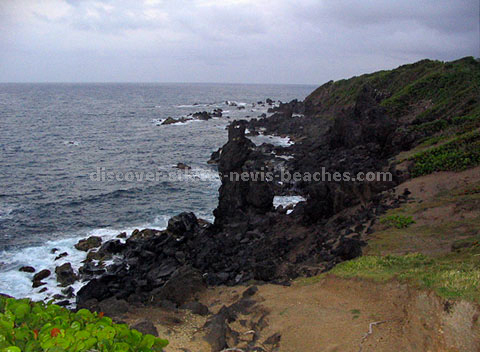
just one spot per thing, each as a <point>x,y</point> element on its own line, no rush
<point>183,166</point>
<point>145,327</point>
<point>169,120</point>
<point>43,274</point>
<point>196,308</point>
<point>86,244</point>
<point>27,269</point>
<point>182,224</point>
<point>182,286</point>
<point>65,274</point>
<point>113,306</point>
<point>203,115</point>
<point>217,113</point>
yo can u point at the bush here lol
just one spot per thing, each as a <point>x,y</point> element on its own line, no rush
<point>459,154</point>
<point>399,221</point>
<point>29,327</point>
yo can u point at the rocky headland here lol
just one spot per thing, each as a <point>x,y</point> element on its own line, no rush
<point>408,122</point>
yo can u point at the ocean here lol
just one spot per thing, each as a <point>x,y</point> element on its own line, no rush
<point>57,140</point>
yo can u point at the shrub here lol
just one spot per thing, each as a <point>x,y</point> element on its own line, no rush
<point>459,154</point>
<point>399,221</point>
<point>29,327</point>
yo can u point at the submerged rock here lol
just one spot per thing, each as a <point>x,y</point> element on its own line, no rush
<point>183,166</point>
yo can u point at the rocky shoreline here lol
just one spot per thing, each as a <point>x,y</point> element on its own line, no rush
<point>251,240</point>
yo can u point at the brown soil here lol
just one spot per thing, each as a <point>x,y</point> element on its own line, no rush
<point>335,315</point>
<point>427,187</point>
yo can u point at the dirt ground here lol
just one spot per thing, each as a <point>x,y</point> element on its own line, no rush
<point>334,315</point>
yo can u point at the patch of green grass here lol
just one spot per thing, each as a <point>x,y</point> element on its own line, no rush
<point>452,276</point>
<point>458,154</point>
<point>397,220</point>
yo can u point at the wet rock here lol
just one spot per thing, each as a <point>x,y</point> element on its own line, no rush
<point>61,255</point>
<point>43,274</point>
<point>183,166</point>
<point>122,235</point>
<point>27,269</point>
<point>217,113</point>
<point>203,115</point>
<point>86,244</point>
<point>65,274</point>
<point>36,284</point>
<point>215,157</point>
<point>169,120</point>
<point>68,292</point>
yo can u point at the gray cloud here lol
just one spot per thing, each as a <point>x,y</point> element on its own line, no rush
<point>307,41</point>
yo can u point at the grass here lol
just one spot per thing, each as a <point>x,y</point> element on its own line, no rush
<point>458,154</point>
<point>438,252</point>
<point>398,221</point>
<point>437,102</point>
<point>452,276</point>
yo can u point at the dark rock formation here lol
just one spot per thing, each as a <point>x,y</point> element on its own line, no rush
<point>89,243</point>
<point>215,157</point>
<point>27,269</point>
<point>43,274</point>
<point>183,166</point>
<point>38,277</point>
<point>202,115</point>
<point>250,240</point>
<point>145,327</point>
<point>65,274</point>
<point>240,199</point>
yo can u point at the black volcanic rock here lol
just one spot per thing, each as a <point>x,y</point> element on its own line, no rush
<point>239,198</point>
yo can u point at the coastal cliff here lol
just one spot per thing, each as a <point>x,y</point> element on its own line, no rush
<point>408,123</point>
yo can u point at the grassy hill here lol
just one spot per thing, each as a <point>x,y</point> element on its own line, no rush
<point>435,103</point>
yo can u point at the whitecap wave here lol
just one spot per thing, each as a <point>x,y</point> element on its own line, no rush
<point>287,200</point>
<point>19,284</point>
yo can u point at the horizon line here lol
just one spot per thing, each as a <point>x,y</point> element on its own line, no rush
<point>153,82</point>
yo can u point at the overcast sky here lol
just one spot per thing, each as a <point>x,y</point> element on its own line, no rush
<point>269,41</point>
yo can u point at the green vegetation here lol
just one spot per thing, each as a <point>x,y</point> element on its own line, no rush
<point>458,154</point>
<point>426,90</point>
<point>439,252</point>
<point>448,277</point>
<point>29,327</point>
<point>399,221</point>
<point>435,101</point>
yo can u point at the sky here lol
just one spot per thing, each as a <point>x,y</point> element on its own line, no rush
<point>235,41</point>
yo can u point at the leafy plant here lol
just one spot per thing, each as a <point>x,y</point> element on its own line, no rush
<point>399,221</point>
<point>29,326</point>
<point>459,154</point>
